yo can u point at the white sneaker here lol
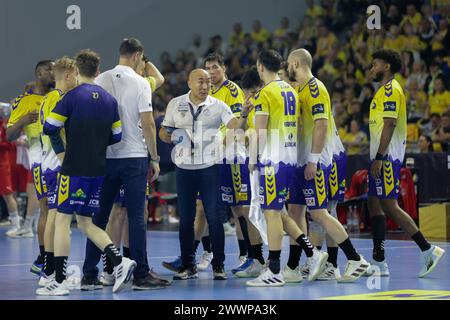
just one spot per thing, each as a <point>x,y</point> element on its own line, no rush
<point>267,279</point>
<point>53,289</point>
<point>107,279</point>
<point>123,273</point>
<point>228,229</point>
<point>253,271</point>
<point>429,260</point>
<point>12,232</point>
<point>205,261</point>
<point>45,280</point>
<point>377,269</point>
<point>317,264</point>
<point>354,269</point>
<point>330,273</point>
<point>304,270</point>
<point>292,276</point>
<point>24,233</point>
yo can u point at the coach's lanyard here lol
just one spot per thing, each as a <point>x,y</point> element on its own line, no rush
<point>194,118</point>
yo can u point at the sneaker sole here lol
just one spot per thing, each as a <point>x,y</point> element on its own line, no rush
<point>62,293</point>
<point>312,277</point>
<point>190,277</point>
<point>127,278</point>
<point>240,275</point>
<point>91,287</point>
<point>220,278</point>
<point>134,287</point>
<point>250,284</point>
<point>434,265</point>
<point>293,281</point>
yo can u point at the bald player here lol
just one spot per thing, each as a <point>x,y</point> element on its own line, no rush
<point>315,155</point>
<point>193,121</point>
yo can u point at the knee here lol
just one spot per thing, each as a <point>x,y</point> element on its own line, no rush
<point>319,216</point>
<point>62,221</point>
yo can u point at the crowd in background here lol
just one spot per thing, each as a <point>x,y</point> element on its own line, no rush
<point>341,47</point>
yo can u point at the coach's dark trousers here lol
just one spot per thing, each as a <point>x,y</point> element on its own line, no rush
<point>205,182</point>
<point>132,174</point>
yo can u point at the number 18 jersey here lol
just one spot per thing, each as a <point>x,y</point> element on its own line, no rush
<point>278,100</point>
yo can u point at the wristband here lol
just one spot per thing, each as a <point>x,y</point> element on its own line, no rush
<point>379,156</point>
<point>314,158</point>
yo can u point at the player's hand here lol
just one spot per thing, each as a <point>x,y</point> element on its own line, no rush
<point>60,157</point>
<point>375,169</point>
<point>30,117</point>
<point>247,107</point>
<point>310,171</point>
<point>155,169</point>
<point>165,136</point>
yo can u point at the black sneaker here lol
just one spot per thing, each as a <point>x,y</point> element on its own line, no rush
<point>219,273</point>
<point>186,273</point>
<point>154,275</point>
<point>90,284</point>
<point>148,283</point>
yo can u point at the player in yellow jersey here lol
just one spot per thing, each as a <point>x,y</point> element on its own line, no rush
<point>276,113</point>
<point>315,158</point>
<point>24,116</point>
<point>66,73</point>
<point>235,184</point>
<point>387,124</point>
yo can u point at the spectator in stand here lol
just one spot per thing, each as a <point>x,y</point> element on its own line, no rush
<point>283,30</point>
<point>393,17</point>
<point>416,102</point>
<point>434,72</point>
<point>325,42</point>
<point>418,75</point>
<point>313,10</point>
<point>425,144</point>
<point>237,37</point>
<point>442,134</point>
<point>412,16</point>
<point>440,100</point>
<point>355,141</point>
<point>259,34</point>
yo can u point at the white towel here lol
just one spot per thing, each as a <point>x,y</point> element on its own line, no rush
<point>256,215</point>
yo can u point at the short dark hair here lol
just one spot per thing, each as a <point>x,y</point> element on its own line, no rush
<point>42,63</point>
<point>215,56</point>
<point>88,62</point>
<point>391,57</point>
<point>270,59</point>
<point>130,46</point>
<point>251,79</point>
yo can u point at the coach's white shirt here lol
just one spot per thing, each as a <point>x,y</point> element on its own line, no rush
<point>204,132</point>
<point>133,95</point>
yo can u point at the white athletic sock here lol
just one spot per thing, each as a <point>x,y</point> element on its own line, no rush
<point>15,219</point>
<point>28,222</point>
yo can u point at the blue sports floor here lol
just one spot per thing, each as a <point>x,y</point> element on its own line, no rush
<point>16,282</point>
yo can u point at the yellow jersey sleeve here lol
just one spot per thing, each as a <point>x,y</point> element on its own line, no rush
<point>18,110</point>
<point>319,102</point>
<point>235,98</point>
<point>261,103</point>
<point>152,82</point>
<point>391,101</point>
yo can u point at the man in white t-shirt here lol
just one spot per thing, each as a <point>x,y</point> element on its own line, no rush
<point>127,163</point>
<point>192,121</point>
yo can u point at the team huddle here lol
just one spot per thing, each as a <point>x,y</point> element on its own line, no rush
<point>95,135</point>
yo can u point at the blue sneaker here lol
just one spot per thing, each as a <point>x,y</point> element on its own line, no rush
<point>174,266</point>
<point>244,265</point>
<point>36,268</point>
